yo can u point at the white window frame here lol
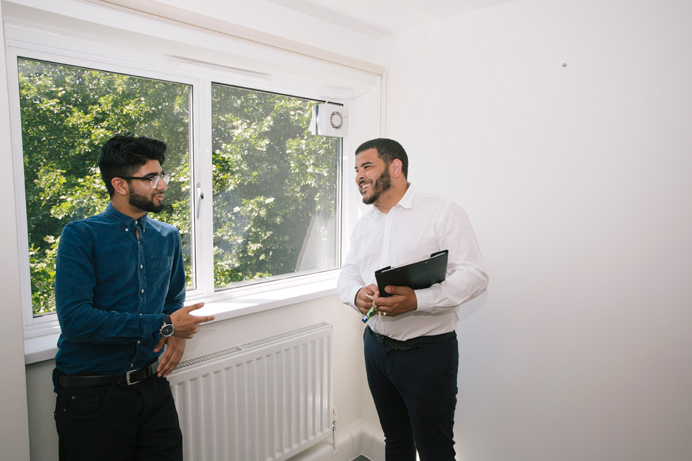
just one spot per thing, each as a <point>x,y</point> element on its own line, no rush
<point>229,303</point>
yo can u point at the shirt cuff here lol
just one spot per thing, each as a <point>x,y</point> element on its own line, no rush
<point>424,300</point>
<point>157,321</point>
<point>352,298</point>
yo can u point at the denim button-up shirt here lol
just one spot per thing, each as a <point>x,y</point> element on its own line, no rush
<point>112,289</point>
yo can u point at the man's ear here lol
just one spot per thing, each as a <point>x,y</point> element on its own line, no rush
<point>120,186</point>
<point>395,168</point>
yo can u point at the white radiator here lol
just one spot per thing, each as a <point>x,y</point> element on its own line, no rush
<point>265,400</point>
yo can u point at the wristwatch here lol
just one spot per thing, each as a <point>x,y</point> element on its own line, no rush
<point>167,329</point>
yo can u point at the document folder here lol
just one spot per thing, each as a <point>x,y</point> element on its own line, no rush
<point>416,275</point>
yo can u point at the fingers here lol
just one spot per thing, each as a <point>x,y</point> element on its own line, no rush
<point>206,318</point>
<point>171,357</point>
<point>392,290</point>
<point>168,364</point>
<point>160,344</point>
<point>365,296</point>
<point>198,318</point>
<point>194,307</point>
<point>371,289</point>
<point>403,300</point>
<point>187,324</point>
<point>163,363</point>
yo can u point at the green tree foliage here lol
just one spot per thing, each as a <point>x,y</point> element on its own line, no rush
<point>272,180</point>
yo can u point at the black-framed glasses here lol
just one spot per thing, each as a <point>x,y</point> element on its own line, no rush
<point>165,177</point>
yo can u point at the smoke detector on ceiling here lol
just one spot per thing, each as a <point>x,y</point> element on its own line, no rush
<point>329,120</point>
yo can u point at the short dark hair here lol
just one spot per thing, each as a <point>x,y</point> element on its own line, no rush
<point>388,150</point>
<point>125,153</point>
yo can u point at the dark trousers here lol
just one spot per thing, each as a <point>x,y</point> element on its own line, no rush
<point>415,393</point>
<point>118,423</point>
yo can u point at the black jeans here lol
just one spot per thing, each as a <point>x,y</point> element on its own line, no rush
<point>415,393</point>
<point>118,423</point>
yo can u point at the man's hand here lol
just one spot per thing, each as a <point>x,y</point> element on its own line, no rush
<point>170,358</point>
<point>186,324</point>
<point>364,298</point>
<point>403,299</point>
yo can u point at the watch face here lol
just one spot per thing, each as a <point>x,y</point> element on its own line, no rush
<point>167,330</point>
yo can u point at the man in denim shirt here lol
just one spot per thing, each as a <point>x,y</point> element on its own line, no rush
<point>119,290</point>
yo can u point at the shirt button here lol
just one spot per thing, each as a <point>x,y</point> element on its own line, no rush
<point>142,291</point>
<point>127,230</point>
<point>141,266</point>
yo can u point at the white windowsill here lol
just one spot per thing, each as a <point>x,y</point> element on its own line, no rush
<point>42,348</point>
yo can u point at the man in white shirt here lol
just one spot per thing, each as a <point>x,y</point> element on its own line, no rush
<point>411,349</point>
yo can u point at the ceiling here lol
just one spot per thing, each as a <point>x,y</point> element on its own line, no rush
<point>379,18</point>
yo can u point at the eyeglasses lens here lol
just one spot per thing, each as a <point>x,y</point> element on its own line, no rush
<point>155,179</point>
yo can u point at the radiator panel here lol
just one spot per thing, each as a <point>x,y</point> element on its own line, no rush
<point>266,400</point>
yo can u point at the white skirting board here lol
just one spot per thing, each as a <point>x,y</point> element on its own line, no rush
<point>358,438</point>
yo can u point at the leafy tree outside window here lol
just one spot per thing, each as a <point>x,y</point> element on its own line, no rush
<point>275,188</point>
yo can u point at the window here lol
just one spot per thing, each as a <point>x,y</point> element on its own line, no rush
<point>67,113</point>
<point>274,187</point>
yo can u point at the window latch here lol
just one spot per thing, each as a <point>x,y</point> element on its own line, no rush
<point>199,195</point>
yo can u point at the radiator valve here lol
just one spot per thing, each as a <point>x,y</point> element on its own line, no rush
<point>333,430</point>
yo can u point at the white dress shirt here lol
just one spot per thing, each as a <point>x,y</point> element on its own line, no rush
<point>419,225</point>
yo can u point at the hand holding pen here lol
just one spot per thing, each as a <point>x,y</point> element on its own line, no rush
<point>369,314</point>
<point>365,301</point>
<point>402,300</point>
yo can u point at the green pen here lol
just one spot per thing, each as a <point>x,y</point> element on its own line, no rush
<point>367,316</point>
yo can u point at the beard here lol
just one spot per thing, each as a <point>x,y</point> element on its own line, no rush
<point>381,185</point>
<point>143,203</point>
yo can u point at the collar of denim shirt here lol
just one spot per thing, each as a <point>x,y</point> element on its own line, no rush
<point>124,220</point>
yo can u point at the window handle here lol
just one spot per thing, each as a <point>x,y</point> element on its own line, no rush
<point>199,195</point>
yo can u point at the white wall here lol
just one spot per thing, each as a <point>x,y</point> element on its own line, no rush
<point>14,434</point>
<point>578,181</point>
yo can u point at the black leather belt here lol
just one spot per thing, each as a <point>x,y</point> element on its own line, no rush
<point>411,343</point>
<point>129,378</point>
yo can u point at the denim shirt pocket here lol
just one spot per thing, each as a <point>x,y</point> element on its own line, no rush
<point>162,266</point>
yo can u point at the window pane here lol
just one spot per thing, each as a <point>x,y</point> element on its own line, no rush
<point>67,114</point>
<point>275,188</point>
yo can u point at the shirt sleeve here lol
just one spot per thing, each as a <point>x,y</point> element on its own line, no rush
<point>176,288</point>
<point>75,280</point>
<point>350,280</point>
<point>466,275</point>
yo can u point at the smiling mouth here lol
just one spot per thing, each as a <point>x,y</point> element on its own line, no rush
<point>364,187</point>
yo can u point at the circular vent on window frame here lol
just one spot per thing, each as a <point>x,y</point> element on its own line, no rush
<point>330,120</point>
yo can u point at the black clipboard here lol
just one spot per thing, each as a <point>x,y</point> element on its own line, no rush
<point>416,275</point>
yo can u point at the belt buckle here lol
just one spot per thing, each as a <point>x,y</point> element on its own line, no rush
<point>127,377</point>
